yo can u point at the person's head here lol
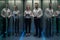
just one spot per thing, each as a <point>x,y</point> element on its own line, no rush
<point>58,7</point>
<point>15,8</point>
<point>7,5</point>
<point>36,5</point>
<point>28,7</point>
<point>50,5</point>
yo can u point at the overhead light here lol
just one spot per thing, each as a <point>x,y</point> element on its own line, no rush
<point>54,1</point>
<point>11,2</point>
<point>18,1</point>
<point>46,1</point>
<point>36,1</point>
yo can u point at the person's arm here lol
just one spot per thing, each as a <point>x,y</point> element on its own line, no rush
<point>19,14</point>
<point>10,14</point>
<point>32,14</point>
<point>56,13</point>
<point>40,13</point>
<point>52,15</point>
<point>47,13</point>
<point>3,13</point>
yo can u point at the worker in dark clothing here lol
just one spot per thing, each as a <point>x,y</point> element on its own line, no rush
<point>37,12</point>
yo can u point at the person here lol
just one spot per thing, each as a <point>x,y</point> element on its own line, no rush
<point>38,15</point>
<point>57,14</point>
<point>27,19</point>
<point>6,15</point>
<point>48,14</point>
<point>16,15</point>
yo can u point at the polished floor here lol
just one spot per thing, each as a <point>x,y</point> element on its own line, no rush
<point>31,38</point>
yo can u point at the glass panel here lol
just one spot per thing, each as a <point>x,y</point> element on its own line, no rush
<point>2,4</point>
<point>20,7</point>
<point>19,4</point>
<point>46,3</point>
<point>11,22</point>
<point>54,3</point>
<point>11,4</point>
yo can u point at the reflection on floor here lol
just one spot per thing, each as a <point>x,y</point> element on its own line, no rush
<point>31,38</point>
